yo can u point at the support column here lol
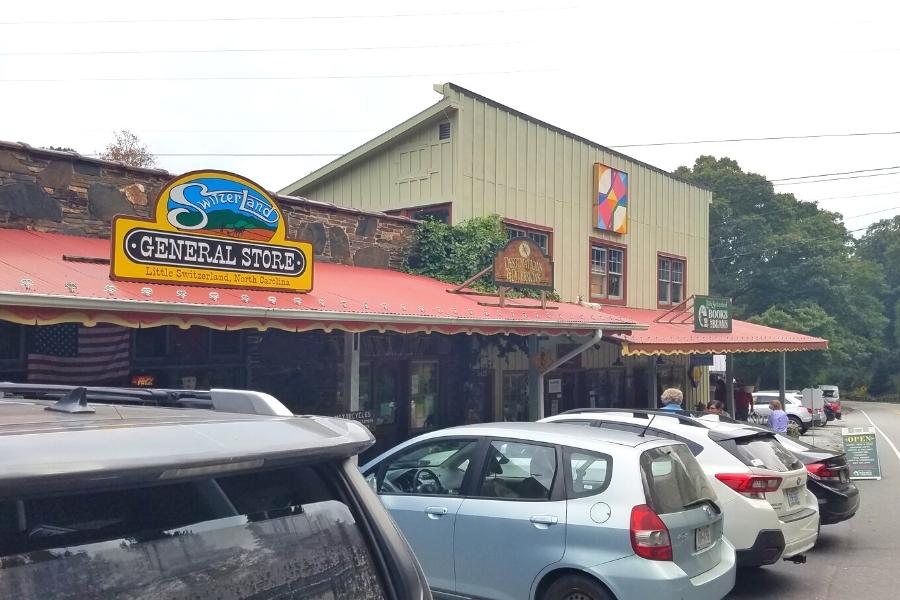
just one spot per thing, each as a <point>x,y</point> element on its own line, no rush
<point>535,379</point>
<point>652,398</point>
<point>782,376</point>
<point>729,384</point>
<point>351,370</point>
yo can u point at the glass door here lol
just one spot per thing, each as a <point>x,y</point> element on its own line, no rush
<point>423,395</point>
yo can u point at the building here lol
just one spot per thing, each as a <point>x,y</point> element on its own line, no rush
<point>622,234</point>
<point>362,338</point>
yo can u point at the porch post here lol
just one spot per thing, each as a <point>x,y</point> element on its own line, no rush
<point>729,384</point>
<point>782,376</point>
<point>351,370</point>
<point>535,379</point>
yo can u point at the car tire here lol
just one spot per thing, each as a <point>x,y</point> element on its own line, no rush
<point>576,587</point>
<point>796,420</point>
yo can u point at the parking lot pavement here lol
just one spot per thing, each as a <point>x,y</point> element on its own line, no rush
<point>856,558</point>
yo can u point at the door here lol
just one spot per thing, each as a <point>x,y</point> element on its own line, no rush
<point>514,526</point>
<point>561,393</point>
<point>382,390</point>
<point>421,486</point>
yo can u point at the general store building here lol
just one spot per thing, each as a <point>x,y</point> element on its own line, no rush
<point>622,234</point>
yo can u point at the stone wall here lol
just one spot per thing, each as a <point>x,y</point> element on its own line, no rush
<point>64,192</point>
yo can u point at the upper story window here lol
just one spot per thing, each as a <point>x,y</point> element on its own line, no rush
<point>607,272</point>
<point>542,236</point>
<point>438,212</point>
<point>670,280</point>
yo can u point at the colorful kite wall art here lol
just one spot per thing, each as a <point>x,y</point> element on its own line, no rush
<point>610,199</point>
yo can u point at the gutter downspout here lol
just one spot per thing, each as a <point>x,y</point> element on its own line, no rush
<point>595,339</point>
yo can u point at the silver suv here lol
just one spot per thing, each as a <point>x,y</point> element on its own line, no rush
<point>142,498</point>
<point>516,511</point>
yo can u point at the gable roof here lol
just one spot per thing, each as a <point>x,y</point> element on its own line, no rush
<point>441,109</point>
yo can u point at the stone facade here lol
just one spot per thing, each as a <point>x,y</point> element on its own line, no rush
<point>64,192</point>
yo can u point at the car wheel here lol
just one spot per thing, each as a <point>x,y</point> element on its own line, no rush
<point>796,421</point>
<point>576,587</point>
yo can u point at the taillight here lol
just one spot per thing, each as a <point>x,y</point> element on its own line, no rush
<point>751,486</point>
<point>821,472</point>
<point>649,535</point>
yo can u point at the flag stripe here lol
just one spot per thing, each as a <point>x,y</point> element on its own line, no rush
<point>74,354</point>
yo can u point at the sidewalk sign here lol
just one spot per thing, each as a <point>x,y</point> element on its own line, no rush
<point>862,452</point>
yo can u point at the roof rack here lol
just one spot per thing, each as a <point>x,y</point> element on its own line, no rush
<point>220,400</point>
<point>684,417</point>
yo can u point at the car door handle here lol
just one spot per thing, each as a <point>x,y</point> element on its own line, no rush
<point>544,520</point>
<point>435,512</point>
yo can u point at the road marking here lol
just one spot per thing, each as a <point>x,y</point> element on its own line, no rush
<point>886,438</point>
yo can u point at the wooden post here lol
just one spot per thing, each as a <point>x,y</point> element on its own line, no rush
<point>729,384</point>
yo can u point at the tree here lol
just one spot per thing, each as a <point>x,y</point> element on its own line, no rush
<point>129,149</point>
<point>789,264</point>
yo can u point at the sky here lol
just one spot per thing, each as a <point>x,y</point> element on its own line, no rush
<point>315,80</point>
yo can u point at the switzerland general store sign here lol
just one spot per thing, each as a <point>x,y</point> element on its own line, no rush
<point>212,228</point>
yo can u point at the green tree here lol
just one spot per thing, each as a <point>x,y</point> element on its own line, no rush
<point>787,263</point>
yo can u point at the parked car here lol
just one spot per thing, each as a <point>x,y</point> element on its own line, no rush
<point>515,511</point>
<point>239,499</point>
<point>796,412</point>
<point>829,476</point>
<point>832,396</point>
<point>769,512</point>
<point>829,480</point>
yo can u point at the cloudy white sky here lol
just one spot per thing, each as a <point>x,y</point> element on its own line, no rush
<point>202,77</point>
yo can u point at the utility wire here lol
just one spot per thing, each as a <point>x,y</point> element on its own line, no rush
<point>758,139</point>
<point>399,15</point>
<point>248,50</point>
<point>837,173</point>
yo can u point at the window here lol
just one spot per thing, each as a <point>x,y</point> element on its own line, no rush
<point>434,468</point>
<point>673,480</point>
<point>10,341</point>
<point>151,342</point>
<point>588,473</point>
<point>517,471</point>
<point>607,272</point>
<point>670,281</point>
<point>444,131</point>
<point>292,519</point>
<point>423,392</point>
<point>515,396</point>
<point>539,236</point>
<point>435,212</point>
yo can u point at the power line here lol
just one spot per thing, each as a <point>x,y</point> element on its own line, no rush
<point>758,139</point>
<point>270,77</point>
<point>854,196</point>
<point>283,18</point>
<point>838,178</point>
<point>249,50</point>
<point>836,173</point>
<point>874,212</point>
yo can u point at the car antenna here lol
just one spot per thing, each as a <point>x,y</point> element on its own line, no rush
<point>649,423</point>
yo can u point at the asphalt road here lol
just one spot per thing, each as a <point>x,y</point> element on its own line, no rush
<point>858,559</point>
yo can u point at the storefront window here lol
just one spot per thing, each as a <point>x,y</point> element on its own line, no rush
<point>423,392</point>
<point>540,237</point>
<point>670,377</point>
<point>606,388</point>
<point>515,397</point>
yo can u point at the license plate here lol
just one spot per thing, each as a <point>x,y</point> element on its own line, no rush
<point>793,496</point>
<point>703,537</point>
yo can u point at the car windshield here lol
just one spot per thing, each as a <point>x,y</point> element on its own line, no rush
<point>673,480</point>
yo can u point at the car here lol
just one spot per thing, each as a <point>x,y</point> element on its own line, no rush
<point>793,406</point>
<point>127,494</point>
<point>769,511</point>
<point>832,396</point>
<point>829,480</point>
<point>516,511</point>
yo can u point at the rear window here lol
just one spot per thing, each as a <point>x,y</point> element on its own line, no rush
<point>284,532</point>
<point>673,481</point>
<point>762,451</point>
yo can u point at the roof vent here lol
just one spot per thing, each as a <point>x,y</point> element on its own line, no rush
<point>444,131</point>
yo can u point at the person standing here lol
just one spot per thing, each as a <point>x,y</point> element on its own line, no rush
<point>672,399</point>
<point>778,419</point>
<point>743,401</point>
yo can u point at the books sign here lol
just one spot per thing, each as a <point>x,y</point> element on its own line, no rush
<point>522,264</point>
<point>212,228</point>
<point>712,314</point>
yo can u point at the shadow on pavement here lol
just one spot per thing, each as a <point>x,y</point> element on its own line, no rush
<point>763,582</point>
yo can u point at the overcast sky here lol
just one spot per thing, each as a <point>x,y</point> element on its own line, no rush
<point>323,79</point>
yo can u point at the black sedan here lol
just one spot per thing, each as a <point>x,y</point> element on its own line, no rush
<point>829,479</point>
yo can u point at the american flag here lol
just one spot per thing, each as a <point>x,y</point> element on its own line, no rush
<point>74,354</point>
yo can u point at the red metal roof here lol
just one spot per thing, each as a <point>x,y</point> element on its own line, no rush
<point>39,286</point>
<point>675,335</point>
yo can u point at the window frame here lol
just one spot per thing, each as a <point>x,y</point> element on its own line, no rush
<point>599,242</point>
<point>571,494</point>
<point>409,211</point>
<point>671,259</point>
<point>527,228</point>
<point>476,464</point>
<point>557,488</point>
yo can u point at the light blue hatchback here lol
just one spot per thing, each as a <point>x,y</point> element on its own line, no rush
<point>513,511</point>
